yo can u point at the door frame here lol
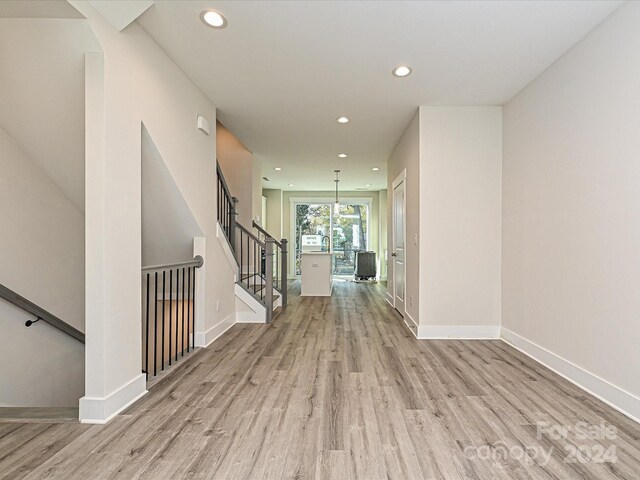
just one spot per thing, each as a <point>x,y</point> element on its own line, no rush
<point>402,177</point>
<point>293,201</point>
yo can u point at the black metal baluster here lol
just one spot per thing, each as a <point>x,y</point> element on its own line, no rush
<point>146,344</point>
<point>248,262</point>
<point>192,308</point>
<point>194,305</point>
<point>164,291</point>
<point>182,346</point>
<point>170,311</point>
<point>155,328</point>
<point>263,285</point>
<point>188,308</point>
<point>177,310</point>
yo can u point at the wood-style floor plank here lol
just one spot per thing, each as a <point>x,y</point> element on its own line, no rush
<point>335,388</point>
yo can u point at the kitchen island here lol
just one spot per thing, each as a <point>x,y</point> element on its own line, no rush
<point>315,270</point>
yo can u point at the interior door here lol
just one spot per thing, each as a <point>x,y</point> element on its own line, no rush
<point>398,253</point>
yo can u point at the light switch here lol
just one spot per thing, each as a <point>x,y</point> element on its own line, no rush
<point>415,239</point>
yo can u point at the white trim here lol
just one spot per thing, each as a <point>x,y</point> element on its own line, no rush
<point>257,312</point>
<point>388,297</point>
<point>617,398</point>
<point>412,324</point>
<point>200,248</point>
<point>102,410</point>
<point>402,176</point>
<point>458,332</point>
<point>207,338</point>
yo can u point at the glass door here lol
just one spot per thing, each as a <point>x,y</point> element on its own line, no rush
<point>349,236</point>
<point>313,228</point>
<point>319,227</point>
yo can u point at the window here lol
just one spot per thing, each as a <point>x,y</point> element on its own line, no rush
<point>319,228</point>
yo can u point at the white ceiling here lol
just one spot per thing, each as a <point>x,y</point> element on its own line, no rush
<point>281,72</point>
<point>42,93</point>
<point>37,9</point>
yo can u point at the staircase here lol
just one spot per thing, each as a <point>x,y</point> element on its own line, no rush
<point>261,285</point>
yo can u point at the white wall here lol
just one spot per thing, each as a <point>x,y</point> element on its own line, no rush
<point>168,226</point>
<point>406,155</point>
<point>256,190</point>
<point>571,214</point>
<point>460,218</point>
<point>42,102</point>
<point>242,173</point>
<point>274,212</point>
<point>42,259</point>
<point>140,85</point>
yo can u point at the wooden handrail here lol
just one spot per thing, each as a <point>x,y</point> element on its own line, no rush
<point>265,233</point>
<point>40,313</point>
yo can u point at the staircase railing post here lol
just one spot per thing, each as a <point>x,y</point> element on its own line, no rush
<point>283,271</point>
<point>233,218</point>
<point>269,243</point>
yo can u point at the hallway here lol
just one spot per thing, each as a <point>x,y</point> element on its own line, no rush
<point>337,388</point>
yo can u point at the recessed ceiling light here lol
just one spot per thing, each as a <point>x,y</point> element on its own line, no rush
<point>375,169</point>
<point>343,155</point>
<point>213,19</point>
<point>342,120</point>
<point>277,169</point>
<point>291,185</point>
<point>368,185</point>
<point>402,71</point>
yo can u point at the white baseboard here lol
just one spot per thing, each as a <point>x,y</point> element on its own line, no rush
<point>623,401</point>
<point>411,323</point>
<point>204,339</point>
<point>101,410</point>
<point>388,297</point>
<point>459,332</point>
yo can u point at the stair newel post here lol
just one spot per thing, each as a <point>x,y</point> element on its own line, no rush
<point>283,271</point>
<point>269,244</point>
<point>233,218</point>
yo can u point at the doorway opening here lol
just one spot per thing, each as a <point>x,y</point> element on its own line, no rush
<point>321,227</point>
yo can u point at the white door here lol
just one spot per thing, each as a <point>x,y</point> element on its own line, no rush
<point>398,251</point>
<point>263,220</point>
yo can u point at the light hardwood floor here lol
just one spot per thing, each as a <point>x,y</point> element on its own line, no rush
<point>338,388</point>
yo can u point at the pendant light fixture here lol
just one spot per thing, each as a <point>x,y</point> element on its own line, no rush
<point>336,206</point>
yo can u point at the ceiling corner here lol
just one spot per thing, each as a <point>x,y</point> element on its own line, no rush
<point>120,13</point>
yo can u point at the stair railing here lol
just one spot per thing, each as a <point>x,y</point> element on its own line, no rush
<point>255,258</point>
<point>279,262</point>
<point>227,208</point>
<point>40,313</point>
<point>168,313</point>
<point>262,259</point>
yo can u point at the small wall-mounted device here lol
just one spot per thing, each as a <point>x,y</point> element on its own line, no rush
<point>203,125</point>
